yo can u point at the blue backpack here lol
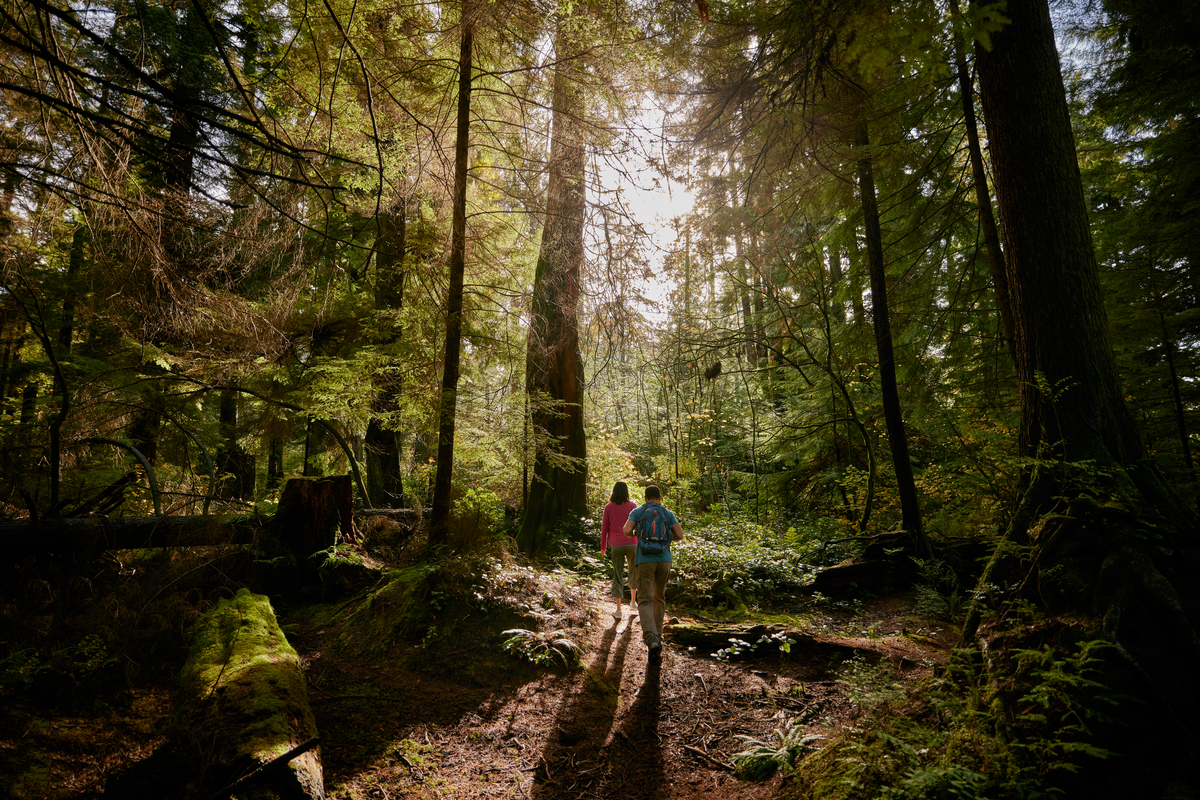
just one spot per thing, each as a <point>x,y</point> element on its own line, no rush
<point>652,531</point>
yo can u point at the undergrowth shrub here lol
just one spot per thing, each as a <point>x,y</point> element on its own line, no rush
<point>574,544</point>
<point>1023,728</point>
<point>937,592</point>
<point>543,648</point>
<point>724,561</point>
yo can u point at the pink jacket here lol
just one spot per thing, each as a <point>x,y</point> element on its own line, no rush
<point>611,526</point>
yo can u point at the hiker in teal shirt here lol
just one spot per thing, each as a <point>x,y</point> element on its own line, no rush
<point>655,527</point>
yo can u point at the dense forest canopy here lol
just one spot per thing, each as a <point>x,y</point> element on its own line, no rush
<point>937,283</point>
<point>226,231</point>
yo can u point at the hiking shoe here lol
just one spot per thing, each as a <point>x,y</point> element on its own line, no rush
<point>653,643</point>
<point>617,615</point>
<point>654,654</point>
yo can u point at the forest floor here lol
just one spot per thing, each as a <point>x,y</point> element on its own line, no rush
<point>618,727</point>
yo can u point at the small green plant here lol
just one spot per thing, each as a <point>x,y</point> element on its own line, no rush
<point>763,758</point>
<point>937,596</point>
<point>737,647</point>
<point>430,635</point>
<point>871,685</point>
<point>542,648</point>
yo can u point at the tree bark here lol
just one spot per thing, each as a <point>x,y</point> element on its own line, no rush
<point>91,534</point>
<point>1072,407</point>
<point>553,364</point>
<point>312,512</point>
<point>448,406</point>
<point>235,466</point>
<point>983,198</point>
<point>1131,560</point>
<point>66,327</point>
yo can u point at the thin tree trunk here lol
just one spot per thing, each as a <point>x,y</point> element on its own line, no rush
<point>448,407</point>
<point>1176,398</point>
<point>385,483</point>
<point>987,220</point>
<point>910,508</point>
<point>66,328</point>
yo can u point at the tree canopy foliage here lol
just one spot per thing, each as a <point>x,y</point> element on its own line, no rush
<point>265,191</point>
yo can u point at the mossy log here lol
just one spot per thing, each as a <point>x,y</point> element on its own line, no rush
<point>242,694</point>
<point>405,516</point>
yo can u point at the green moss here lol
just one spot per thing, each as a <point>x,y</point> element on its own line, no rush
<point>27,771</point>
<point>399,608</point>
<point>823,775</point>
<point>343,571</point>
<point>241,663</point>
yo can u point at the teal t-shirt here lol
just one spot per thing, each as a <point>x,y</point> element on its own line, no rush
<point>635,515</point>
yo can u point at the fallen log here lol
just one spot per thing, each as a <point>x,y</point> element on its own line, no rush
<point>243,724</point>
<point>73,534</point>
<point>869,575</point>
<point>242,693</point>
<point>712,638</point>
<point>401,515</point>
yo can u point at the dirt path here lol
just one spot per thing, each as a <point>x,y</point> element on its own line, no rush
<point>620,728</point>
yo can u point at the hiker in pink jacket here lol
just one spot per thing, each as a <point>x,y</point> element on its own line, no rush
<point>623,547</point>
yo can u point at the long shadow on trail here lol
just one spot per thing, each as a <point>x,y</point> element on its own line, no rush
<point>575,763</point>
<point>635,753</point>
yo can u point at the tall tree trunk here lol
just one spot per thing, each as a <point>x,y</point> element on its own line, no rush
<point>1072,406</point>
<point>234,465</point>
<point>751,343</point>
<point>274,465</point>
<point>553,364</point>
<point>385,483</point>
<point>856,288</point>
<point>1176,397</point>
<point>448,407</point>
<point>910,508</point>
<point>66,327</point>
<point>1137,576</point>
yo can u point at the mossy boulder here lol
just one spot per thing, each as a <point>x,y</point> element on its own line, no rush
<point>404,607</point>
<point>343,571</point>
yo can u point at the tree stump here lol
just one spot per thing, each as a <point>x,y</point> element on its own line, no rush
<point>311,513</point>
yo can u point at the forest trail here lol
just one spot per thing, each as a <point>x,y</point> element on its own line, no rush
<point>619,728</point>
<point>479,724</point>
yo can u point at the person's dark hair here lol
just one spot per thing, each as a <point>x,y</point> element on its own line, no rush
<point>652,493</point>
<point>620,493</point>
